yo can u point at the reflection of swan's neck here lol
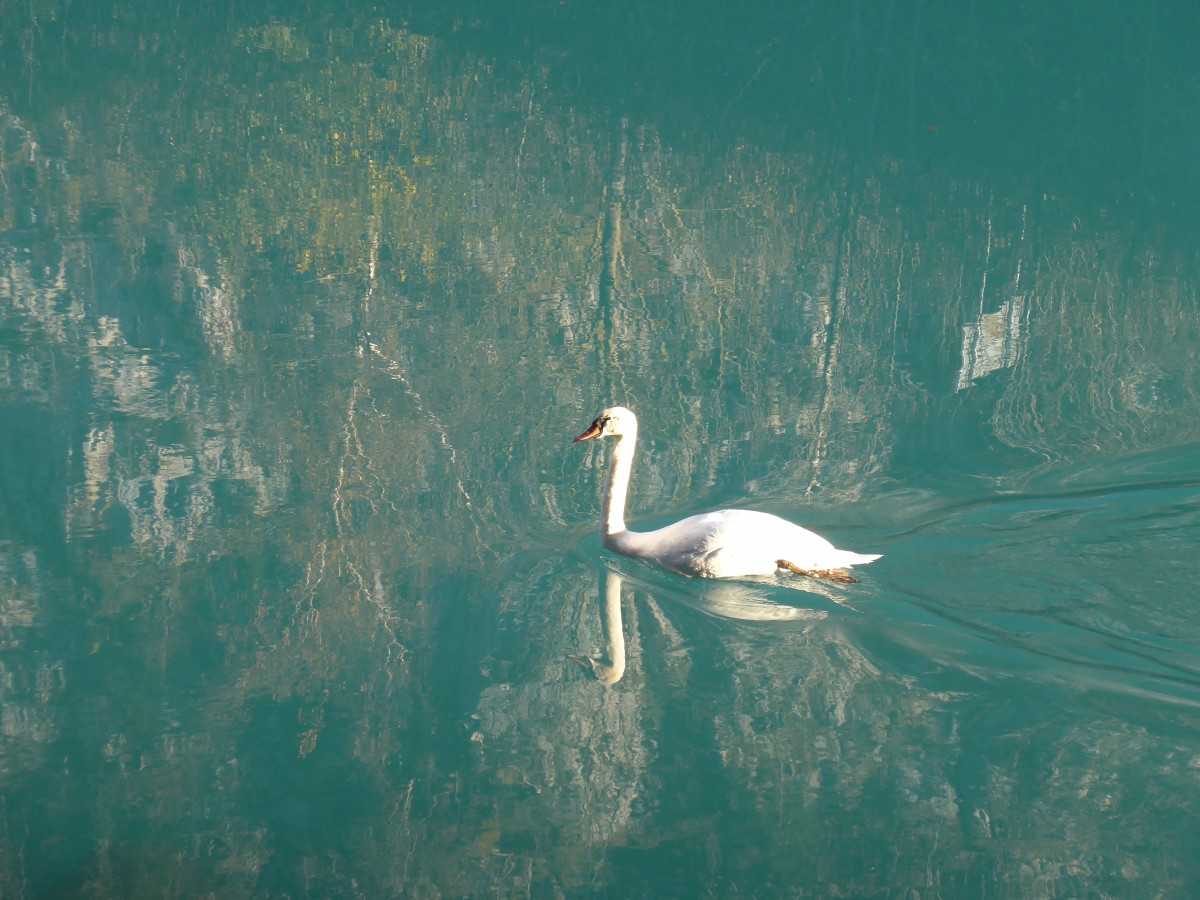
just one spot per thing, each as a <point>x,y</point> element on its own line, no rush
<point>610,667</point>
<point>613,519</point>
<point>614,636</point>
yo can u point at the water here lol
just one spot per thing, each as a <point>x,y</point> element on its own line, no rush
<point>300,587</point>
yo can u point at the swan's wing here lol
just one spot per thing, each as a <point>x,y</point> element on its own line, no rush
<point>685,546</point>
<point>721,544</point>
<point>787,540</point>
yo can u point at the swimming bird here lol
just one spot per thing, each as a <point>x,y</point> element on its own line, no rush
<point>727,543</point>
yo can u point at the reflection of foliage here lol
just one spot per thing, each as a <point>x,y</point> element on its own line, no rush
<point>326,158</point>
<point>1110,364</point>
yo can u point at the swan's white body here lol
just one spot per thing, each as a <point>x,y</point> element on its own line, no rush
<point>728,543</point>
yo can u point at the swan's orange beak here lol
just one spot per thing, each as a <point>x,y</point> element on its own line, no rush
<point>592,432</point>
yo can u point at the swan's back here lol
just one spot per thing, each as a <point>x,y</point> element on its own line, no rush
<point>731,543</point>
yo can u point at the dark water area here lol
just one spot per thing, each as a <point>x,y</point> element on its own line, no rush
<point>301,592</point>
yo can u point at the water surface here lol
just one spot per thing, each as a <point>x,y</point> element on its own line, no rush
<point>300,587</point>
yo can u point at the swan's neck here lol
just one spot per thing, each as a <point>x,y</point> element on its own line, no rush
<point>613,518</point>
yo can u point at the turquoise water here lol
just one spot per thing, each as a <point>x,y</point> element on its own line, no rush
<point>301,592</point>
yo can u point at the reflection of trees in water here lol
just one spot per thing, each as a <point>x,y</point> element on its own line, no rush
<point>583,757</point>
<point>573,761</point>
<point>820,758</point>
<point>1107,367</point>
<point>323,478</point>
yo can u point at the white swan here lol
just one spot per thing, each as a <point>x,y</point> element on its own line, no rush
<point>728,543</point>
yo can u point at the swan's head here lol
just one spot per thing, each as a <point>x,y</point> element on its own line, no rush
<point>613,422</point>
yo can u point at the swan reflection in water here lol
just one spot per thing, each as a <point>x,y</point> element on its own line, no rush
<point>725,600</point>
<point>609,668</point>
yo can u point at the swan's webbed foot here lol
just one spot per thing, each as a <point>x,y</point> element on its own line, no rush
<point>841,576</point>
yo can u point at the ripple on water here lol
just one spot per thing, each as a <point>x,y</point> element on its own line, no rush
<point>1085,579</point>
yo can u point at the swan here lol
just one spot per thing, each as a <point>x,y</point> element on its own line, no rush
<point>727,543</point>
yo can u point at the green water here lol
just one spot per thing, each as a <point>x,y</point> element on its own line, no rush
<point>300,588</point>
